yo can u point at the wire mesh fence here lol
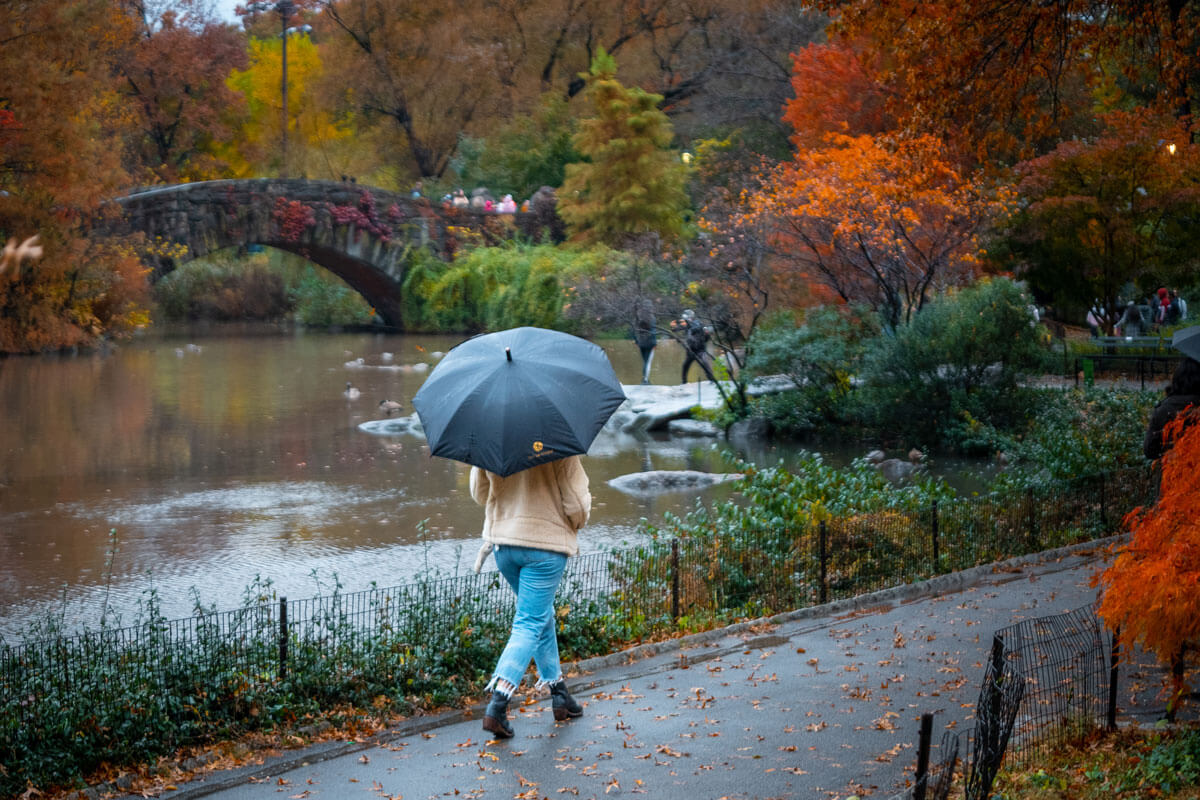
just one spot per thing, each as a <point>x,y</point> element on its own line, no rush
<point>1065,661</point>
<point>934,778</point>
<point>1004,687</point>
<point>164,683</point>
<point>1049,680</point>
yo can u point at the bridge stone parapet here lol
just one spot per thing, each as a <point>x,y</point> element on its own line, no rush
<point>360,233</point>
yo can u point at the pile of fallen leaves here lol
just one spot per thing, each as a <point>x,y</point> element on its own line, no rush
<point>163,774</point>
<point>1134,762</point>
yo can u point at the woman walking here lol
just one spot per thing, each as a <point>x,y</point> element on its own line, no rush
<point>531,521</point>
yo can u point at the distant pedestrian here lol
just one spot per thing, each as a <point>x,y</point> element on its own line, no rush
<point>1131,322</point>
<point>695,344</point>
<point>1174,309</point>
<point>1162,305</point>
<point>644,334</point>
<point>1095,318</point>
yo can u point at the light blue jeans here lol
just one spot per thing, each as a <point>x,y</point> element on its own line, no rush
<point>534,575</point>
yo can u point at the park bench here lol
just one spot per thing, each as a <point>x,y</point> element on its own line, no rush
<point>1110,345</point>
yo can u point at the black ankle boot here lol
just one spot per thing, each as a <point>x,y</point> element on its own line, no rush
<point>495,718</point>
<point>564,705</point>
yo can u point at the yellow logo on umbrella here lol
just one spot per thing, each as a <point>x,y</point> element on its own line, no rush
<point>537,447</point>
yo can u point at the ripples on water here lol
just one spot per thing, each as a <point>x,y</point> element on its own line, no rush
<point>239,458</point>
<point>235,457</point>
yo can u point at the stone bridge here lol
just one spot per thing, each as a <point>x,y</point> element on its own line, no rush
<point>362,234</point>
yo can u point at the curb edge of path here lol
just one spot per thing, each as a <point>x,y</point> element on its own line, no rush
<point>950,583</point>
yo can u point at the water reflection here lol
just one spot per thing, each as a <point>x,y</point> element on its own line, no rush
<point>172,463</point>
<point>168,467</point>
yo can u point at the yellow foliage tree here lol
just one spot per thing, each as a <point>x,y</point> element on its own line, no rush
<point>317,140</point>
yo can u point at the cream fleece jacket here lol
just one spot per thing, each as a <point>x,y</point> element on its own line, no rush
<point>541,507</point>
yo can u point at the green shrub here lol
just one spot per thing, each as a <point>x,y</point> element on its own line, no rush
<point>223,289</point>
<point>759,555</point>
<point>820,356</point>
<point>523,155</point>
<point>322,300</point>
<point>1076,432</point>
<point>957,366</point>
<point>491,288</point>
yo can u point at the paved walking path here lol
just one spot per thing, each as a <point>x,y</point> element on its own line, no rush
<point>820,703</point>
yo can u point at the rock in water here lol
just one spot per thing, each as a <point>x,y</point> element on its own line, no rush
<point>664,481</point>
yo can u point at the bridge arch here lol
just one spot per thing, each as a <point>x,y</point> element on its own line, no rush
<point>362,234</point>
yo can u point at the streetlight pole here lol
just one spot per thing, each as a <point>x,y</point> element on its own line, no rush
<point>285,8</point>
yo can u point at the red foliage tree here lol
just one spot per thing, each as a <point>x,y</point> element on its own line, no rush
<point>1151,592</point>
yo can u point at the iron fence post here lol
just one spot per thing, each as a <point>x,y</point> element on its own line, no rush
<point>1033,526</point>
<point>823,550</point>
<point>283,638</point>
<point>1177,672</point>
<point>1113,655</point>
<point>991,725</point>
<point>921,779</point>
<point>674,580</point>
<point>1104,501</point>
<point>936,555</point>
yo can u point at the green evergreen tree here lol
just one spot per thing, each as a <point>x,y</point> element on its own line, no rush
<point>630,184</point>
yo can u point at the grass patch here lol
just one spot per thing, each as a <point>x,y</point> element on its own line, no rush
<point>1131,763</point>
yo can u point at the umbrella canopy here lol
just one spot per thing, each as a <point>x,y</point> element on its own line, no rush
<point>1187,341</point>
<point>511,400</point>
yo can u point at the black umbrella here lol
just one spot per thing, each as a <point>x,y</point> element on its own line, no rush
<point>511,400</point>
<point>1187,341</point>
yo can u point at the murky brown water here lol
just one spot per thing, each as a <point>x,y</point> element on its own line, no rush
<point>211,460</point>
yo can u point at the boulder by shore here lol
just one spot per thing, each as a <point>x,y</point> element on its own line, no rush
<point>647,407</point>
<point>653,407</point>
<point>661,481</point>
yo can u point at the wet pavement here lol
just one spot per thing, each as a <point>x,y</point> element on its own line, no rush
<point>824,702</point>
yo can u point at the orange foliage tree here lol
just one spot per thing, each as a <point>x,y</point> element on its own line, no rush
<point>1104,211</point>
<point>1151,592</point>
<point>1010,79</point>
<point>889,222</point>
<point>175,79</point>
<point>837,89</point>
<point>61,140</point>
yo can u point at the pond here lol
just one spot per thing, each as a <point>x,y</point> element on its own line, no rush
<point>186,466</point>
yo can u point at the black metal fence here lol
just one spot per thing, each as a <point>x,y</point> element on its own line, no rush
<point>934,779</point>
<point>1127,366</point>
<point>1049,680</point>
<point>127,692</point>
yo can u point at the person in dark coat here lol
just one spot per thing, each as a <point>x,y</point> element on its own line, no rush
<point>644,335</point>
<point>1183,395</point>
<point>695,343</point>
<point>1131,322</point>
